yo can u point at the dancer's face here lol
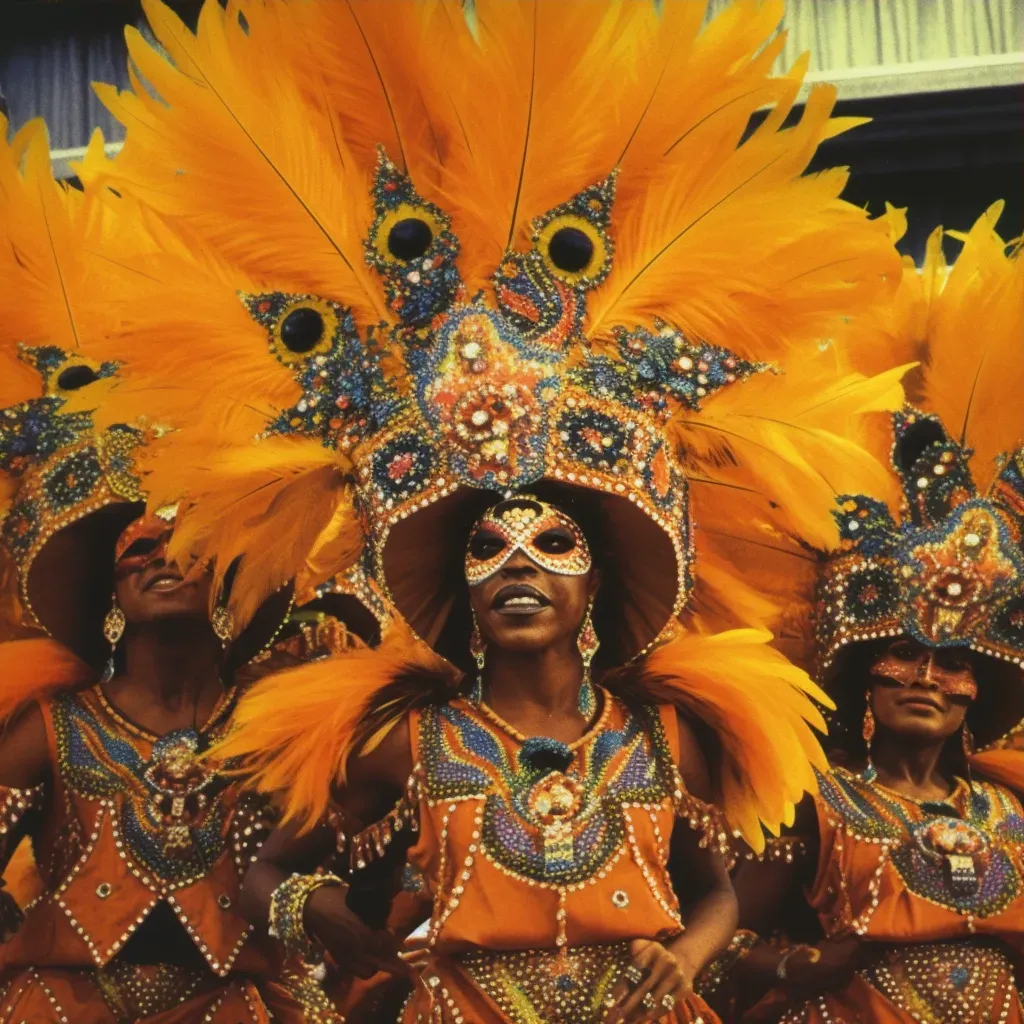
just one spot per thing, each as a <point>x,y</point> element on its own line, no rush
<point>148,588</point>
<point>920,691</point>
<point>531,575</point>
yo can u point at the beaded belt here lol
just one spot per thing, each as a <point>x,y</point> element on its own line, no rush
<point>966,982</point>
<point>143,990</point>
<point>559,988</point>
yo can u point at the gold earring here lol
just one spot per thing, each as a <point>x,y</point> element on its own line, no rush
<point>478,649</point>
<point>223,623</point>
<point>114,624</point>
<point>587,643</point>
<point>867,730</point>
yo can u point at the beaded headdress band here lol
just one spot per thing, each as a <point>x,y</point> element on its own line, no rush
<point>949,573</point>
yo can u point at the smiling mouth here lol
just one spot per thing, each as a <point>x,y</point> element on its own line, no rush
<point>519,599</point>
<point>164,582</point>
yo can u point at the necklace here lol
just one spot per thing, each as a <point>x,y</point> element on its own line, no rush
<point>510,730</point>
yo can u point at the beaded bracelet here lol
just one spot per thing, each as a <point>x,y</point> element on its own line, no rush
<point>287,910</point>
<point>813,956</point>
<point>714,974</point>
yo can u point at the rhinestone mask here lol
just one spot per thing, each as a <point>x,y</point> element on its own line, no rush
<point>143,542</point>
<point>520,523</point>
<point>942,668</point>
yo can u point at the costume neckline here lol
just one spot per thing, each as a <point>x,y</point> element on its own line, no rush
<point>596,726</point>
<point>224,701</point>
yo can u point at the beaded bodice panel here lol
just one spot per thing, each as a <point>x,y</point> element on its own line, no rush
<point>173,812</point>
<point>556,827</point>
<point>964,854</point>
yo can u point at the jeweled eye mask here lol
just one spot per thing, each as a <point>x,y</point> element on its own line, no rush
<point>548,537</point>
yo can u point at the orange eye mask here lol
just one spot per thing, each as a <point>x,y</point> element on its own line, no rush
<point>545,534</point>
<point>143,542</point>
<point>950,672</point>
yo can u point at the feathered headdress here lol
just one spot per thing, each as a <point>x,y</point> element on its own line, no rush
<point>450,258</point>
<point>944,564</point>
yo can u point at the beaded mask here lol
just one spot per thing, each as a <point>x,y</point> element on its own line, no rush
<point>522,524</point>
<point>949,573</point>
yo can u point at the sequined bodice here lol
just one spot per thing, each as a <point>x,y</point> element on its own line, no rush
<point>500,822</point>
<point>134,820</point>
<point>964,856</point>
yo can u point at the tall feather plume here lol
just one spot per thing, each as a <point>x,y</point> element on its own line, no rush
<point>974,367</point>
<point>232,146</point>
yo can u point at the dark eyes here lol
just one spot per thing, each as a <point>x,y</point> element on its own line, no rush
<point>75,377</point>
<point>904,651</point>
<point>409,239</point>
<point>571,250</point>
<point>951,661</point>
<point>140,548</point>
<point>485,545</point>
<point>302,329</point>
<point>555,542</point>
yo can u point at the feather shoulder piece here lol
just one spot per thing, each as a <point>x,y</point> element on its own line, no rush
<point>294,731</point>
<point>764,713</point>
<point>32,670</point>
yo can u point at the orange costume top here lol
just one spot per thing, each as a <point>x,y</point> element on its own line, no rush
<point>941,885</point>
<point>133,832</point>
<point>542,872</point>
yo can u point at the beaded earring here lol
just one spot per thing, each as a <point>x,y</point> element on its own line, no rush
<point>478,649</point>
<point>113,629</point>
<point>588,643</point>
<point>967,743</point>
<point>870,772</point>
<point>223,623</point>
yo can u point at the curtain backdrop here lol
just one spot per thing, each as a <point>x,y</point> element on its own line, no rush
<point>868,33</point>
<point>47,64</point>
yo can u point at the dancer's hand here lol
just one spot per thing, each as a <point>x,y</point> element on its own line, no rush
<point>353,946</point>
<point>665,979</point>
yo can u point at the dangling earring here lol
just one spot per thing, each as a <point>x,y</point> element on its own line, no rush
<point>478,649</point>
<point>588,644</point>
<point>967,742</point>
<point>870,772</point>
<point>113,629</point>
<point>223,623</point>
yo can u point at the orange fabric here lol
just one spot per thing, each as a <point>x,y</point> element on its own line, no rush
<point>483,902</point>
<point>873,879</point>
<point>56,996</point>
<point>99,887</point>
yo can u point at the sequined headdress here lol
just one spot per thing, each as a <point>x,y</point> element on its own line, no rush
<point>949,572</point>
<point>454,257</point>
<point>505,304</point>
<point>942,560</point>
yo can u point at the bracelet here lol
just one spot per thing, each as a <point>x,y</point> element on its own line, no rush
<point>714,973</point>
<point>287,910</point>
<point>813,956</point>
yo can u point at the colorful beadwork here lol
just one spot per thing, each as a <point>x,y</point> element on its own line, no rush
<point>173,811</point>
<point>947,983</point>
<point>948,574</point>
<point>496,390</point>
<point>553,828</point>
<point>546,985</point>
<point>963,854</point>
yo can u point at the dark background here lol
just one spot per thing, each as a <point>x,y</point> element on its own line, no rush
<point>945,155</point>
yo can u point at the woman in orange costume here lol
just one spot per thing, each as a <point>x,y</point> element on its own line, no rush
<point>912,855</point>
<point>139,845</point>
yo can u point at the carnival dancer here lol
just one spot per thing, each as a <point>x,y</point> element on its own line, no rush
<point>912,855</point>
<point>566,319</point>
<point>140,846</point>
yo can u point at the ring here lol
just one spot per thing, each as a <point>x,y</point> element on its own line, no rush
<point>633,974</point>
<point>648,1002</point>
<point>668,1000</point>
